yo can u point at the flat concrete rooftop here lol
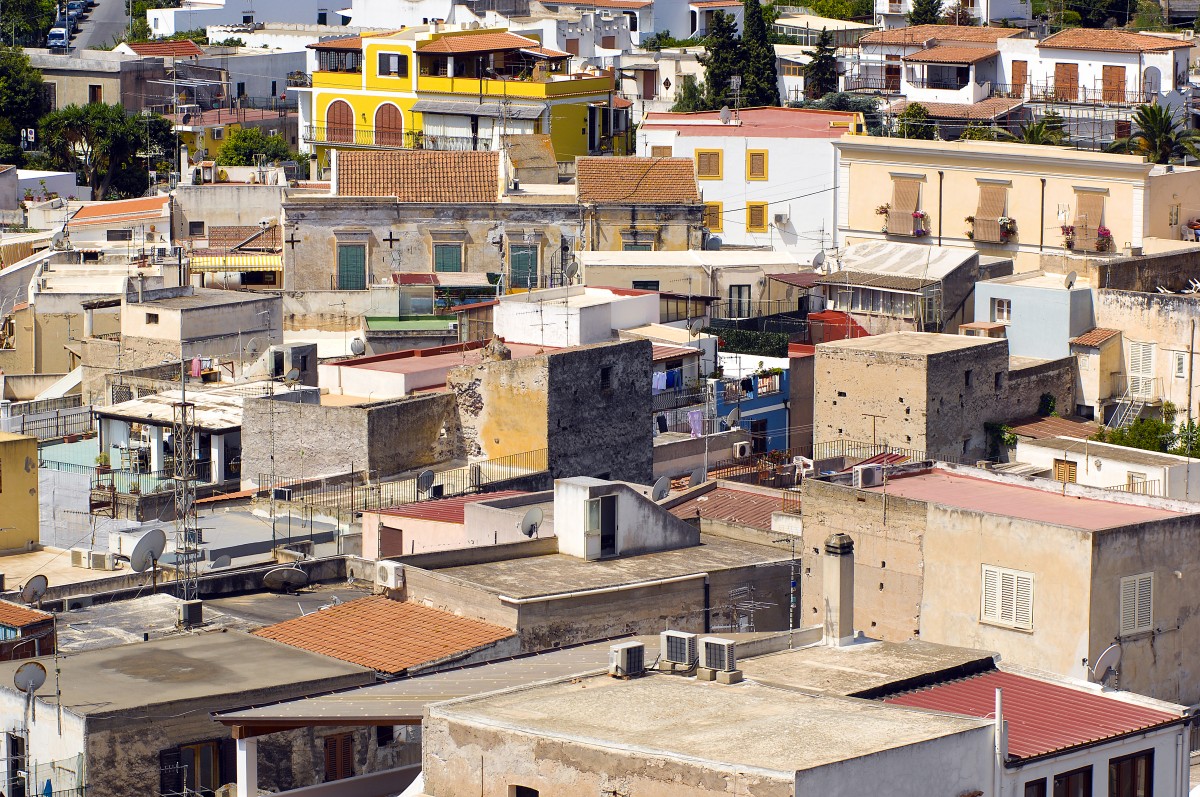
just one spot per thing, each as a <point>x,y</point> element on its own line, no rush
<point>420,364</point>
<point>746,725</point>
<point>918,343</point>
<point>858,668</point>
<point>555,573</point>
<point>1013,500</point>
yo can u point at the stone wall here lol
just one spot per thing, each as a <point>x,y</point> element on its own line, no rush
<point>1145,273</point>
<point>502,406</point>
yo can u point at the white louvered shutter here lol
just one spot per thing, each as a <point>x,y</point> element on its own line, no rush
<point>1007,597</point>
<point>991,593</point>
<point>1023,608</point>
<point>1137,603</point>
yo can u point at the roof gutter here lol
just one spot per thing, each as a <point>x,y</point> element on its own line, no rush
<point>558,596</point>
<point>1015,763</point>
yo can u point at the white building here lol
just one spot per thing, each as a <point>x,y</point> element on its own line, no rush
<point>195,14</point>
<point>894,13</point>
<point>753,193</point>
<point>1111,467</point>
<point>572,316</point>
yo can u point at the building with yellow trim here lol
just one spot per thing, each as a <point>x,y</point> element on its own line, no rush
<point>430,87</point>
<point>18,492</point>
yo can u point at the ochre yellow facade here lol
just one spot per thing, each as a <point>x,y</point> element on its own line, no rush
<point>18,492</point>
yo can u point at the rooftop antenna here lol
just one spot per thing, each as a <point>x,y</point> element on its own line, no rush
<point>735,83</point>
<point>285,579</point>
<point>187,536</point>
<point>531,522</point>
<point>424,483</point>
<point>662,488</point>
<point>34,589</point>
<point>146,553</point>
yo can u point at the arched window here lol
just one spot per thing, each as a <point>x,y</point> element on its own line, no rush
<point>339,122</point>
<point>389,126</point>
<point>1151,82</point>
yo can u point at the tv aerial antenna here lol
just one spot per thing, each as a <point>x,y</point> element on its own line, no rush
<point>662,488</point>
<point>146,553</point>
<point>531,522</point>
<point>34,589</point>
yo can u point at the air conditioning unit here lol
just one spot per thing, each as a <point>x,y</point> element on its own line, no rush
<point>741,449</point>
<point>191,613</point>
<point>453,326</point>
<point>81,557</point>
<point>866,475</point>
<point>281,494</point>
<point>677,647</point>
<point>718,654</point>
<point>77,602</point>
<point>782,219</point>
<point>627,660</point>
<point>390,575</point>
<point>102,560</point>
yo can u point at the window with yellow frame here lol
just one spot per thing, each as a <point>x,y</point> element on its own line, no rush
<point>708,164</point>
<point>756,164</point>
<point>756,216</point>
<point>713,214</point>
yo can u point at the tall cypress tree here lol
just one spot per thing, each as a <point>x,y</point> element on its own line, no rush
<point>760,81</point>
<point>722,60</point>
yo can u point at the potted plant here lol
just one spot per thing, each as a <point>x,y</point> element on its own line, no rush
<point>1103,239</point>
<point>1068,233</point>
<point>920,223</point>
<point>102,462</point>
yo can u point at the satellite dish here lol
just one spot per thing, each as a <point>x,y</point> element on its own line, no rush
<point>56,240</point>
<point>571,271</point>
<point>1069,282</point>
<point>357,347</point>
<point>29,677</point>
<point>662,488</point>
<point>726,114</point>
<point>220,562</point>
<point>1106,663</point>
<point>735,415</point>
<point>285,579</point>
<point>148,551</point>
<point>34,589</point>
<point>819,260</point>
<point>697,477</point>
<point>713,243</point>
<point>292,377</point>
<point>424,481</point>
<point>531,522</point>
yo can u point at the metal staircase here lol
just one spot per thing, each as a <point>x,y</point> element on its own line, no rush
<point>1129,409</point>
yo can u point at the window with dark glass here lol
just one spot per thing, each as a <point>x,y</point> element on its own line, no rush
<point>1132,775</point>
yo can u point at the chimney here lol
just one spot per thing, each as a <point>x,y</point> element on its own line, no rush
<point>838,575</point>
<point>185,166</point>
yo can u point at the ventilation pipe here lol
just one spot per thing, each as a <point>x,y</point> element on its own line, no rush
<point>838,575</point>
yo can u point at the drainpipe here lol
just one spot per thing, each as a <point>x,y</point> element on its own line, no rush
<point>1001,746</point>
<point>1042,219</point>
<point>941,178</point>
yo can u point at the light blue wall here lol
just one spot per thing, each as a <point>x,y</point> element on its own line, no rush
<point>1043,319</point>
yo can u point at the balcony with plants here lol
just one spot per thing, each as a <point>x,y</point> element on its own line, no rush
<point>907,224</point>
<point>1001,230</point>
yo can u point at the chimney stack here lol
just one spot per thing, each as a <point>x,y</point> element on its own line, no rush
<point>838,576</point>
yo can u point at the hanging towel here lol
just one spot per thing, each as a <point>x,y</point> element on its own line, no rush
<point>696,422</point>
<point>670,379</point>
<point>662,423</point>
<point>747,384</point>
<point>195,367</point>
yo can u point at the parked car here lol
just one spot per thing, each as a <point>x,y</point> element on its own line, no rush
<point>80,7</point>
<point>58,36</point>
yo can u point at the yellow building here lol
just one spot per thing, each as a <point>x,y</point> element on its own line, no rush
<point>432,88</point>
<point>1018,201</point>
<point>18,492</point>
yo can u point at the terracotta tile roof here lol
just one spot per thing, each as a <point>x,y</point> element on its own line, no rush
<point>546,51</point>
<point>420,175</point>
<point>227,237</point>
<point>1117,41</point>
<point>624,181</point>
<point>446,510</point>
<point>919,34</point>
<point>1039,427</point>
<point>120,207</point>
<point>14,615</point>
<point>477,43</point>
<point>385,635</point>
<point>352,43</point>
<point>1042,717</point>
<point>1094,336</point>
<point>989,109</point>
<point>183,48</point>
<point>951,54</point>
<point>735,506</point>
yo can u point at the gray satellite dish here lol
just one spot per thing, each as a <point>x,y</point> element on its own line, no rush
<point>357,347</point>
<point>713,243</point>
<point>735,415</point>
<point>1106,663</point>
<point>292,377</point>
<point>56,240</point>
<point>1069,282</point>
<point>148,551</point>
<point>285,579</point>
<point>697,477</point>
<point>531,522</point>
<point>424,481</point>
<point>662,488</point>
<point>726,114</point>
<point>571,272</point>
<point>34,589</point>
<point>29,677</point>
<point>819,260</point>
<point>220,562</point>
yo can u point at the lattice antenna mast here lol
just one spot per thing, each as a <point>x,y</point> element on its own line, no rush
<point>187,550</point>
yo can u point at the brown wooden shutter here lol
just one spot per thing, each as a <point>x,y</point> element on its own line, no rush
<point>660,152</point>
<point>339,122</point>
<point>991,207</point>
<point>389,126</point>
<point>757,217</point>
<point>571,46</point>
<point>1089,214</point>
<point>1064,470</point>
<point>1114,84</point>
<point>608,42</point>
<point>339,756</point>
<point>906,192</point>
<point>712,216</point>
<point>1020,76</point>
<point>758,165</point>
<point>708,164</point>
<point>1066,81</point>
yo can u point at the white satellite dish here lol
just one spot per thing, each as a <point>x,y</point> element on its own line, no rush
<point>29,677</point>
<point>292,377</point>
<point>56,240</point>
<point>731,420</point>
<point>726,115</point>
<point>697,477</point>
<point>34,589</point>
<point>531,522</point>
<point>1069,282</point>
<point>570,272</point>
<point>285,579</point>
<point>424,481</point>
<point>357,347</point>
<point>148,551</point>
<point>1106,664</point>
<point>220,562</point>
<point>662,488</point>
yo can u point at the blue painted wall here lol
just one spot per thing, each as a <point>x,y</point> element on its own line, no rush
<point>757,406</point>
<point>1044,319</point>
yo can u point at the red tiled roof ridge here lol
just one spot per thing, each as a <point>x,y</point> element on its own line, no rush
<point>636,180</point>
<point>14,615</point>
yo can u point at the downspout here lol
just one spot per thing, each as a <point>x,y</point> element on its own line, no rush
<point>941,179</point>
<point>707,617</point>
<point>1001,746</point>
<point>1042,219</point>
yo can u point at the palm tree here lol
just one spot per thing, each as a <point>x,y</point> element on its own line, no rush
<point>1040,132</point>
<point>1160,137</point>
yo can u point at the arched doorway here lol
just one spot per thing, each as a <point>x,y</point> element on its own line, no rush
<point>389,126</point>
<point>339,122</point>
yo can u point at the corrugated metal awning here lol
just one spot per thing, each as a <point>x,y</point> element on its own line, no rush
<point>236,262</point>
<point>478,109</point>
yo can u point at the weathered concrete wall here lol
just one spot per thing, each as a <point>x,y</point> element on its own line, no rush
<point>889,570</point>
<point>601,432</point>
<point>1144,273</point>
<point>502,406</point>
<point>227,204</point>
<point>682,456</point>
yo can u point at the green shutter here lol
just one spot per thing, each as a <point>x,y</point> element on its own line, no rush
<point>352,267</point>
<point>523,269</point>
<point>447,257</point>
